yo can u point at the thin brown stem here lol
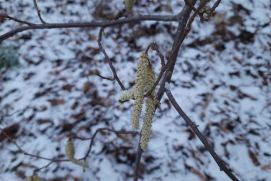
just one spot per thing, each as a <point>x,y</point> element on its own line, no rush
<point>202,138</point>
<point>115,75</point>
<point>190,5</point>
<point>155,47</point>
<point>104,77</point>
<point>5,16</point>
<point>30,154</point>
<point>45,166</point>
<point>38,11</point>
<point>92,24</point>
<point>92,139</point>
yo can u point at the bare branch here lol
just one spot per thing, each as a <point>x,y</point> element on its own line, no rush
<point>155,47</point>
<point>215,5</point>
<point>196,12</point>
<point>30,154</point>
<point>92,24</point>
<point>103,77</point>
<point>38,12</point>
<point>45,166</point>
<point>108,60</point>
<point>202,138</point>
<point>187,2</point>
<point>5,16</point>
<point>102,130</point>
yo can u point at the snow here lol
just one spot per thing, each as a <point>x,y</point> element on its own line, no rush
<point>226,92</point>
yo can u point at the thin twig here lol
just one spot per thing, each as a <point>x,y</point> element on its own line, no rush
<point>45,166</point>
<point>196,12</point>
<point>155,47</point>
<point>92,24</point>
<point>202,138</point>
<point>190,5</point>
<point>115,75</point>
<point>30,154</point>
<point>104,77</point>
<point>92,139</point>
<point>163,69</point>
<point>38,12</point>
<point>15,19</point>
<point>137,162</point>
<point>215,5</point>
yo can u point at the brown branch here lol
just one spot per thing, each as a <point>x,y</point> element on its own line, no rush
<point>187,2</point>
<point>92,139</point>
<point>155,47</point>
<point>196,12</point>
<point>30,154</point>
<point>202,138</point>
<point>5,16</point>
<point>215,5</point>
<point>45,166</point>
<point>137,162</point>
<point>38,12</point>
<point>103,77</point>
<point>115,75</point>
<point>92,24</point>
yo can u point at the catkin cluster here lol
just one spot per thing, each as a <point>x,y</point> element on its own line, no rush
<point>34,177</point>
<point>70,152</point>
<point>145,79</point>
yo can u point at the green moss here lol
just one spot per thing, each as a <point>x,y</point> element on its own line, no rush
<point>8,57</point>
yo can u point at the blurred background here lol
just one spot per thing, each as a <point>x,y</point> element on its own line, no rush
<point>49,89</point>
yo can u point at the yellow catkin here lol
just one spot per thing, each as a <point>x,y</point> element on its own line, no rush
<point>81,163</point>
<point>148,117</point>
<point>127,95</point>
<point>129,4</point>
<point>139,88</point>
<point>70,150</point>
<point>150,109</point>
<point>34,177</point>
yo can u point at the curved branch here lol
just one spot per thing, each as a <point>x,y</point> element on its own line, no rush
<point>115,75</point>
<point>101,130</point>
<point>38,12</point>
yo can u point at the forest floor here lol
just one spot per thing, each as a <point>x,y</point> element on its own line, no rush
<point>222,80</point>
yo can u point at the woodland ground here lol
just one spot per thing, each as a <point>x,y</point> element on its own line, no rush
<point>222,81</point>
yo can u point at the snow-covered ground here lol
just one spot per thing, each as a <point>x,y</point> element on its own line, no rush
<point>222,81</point>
